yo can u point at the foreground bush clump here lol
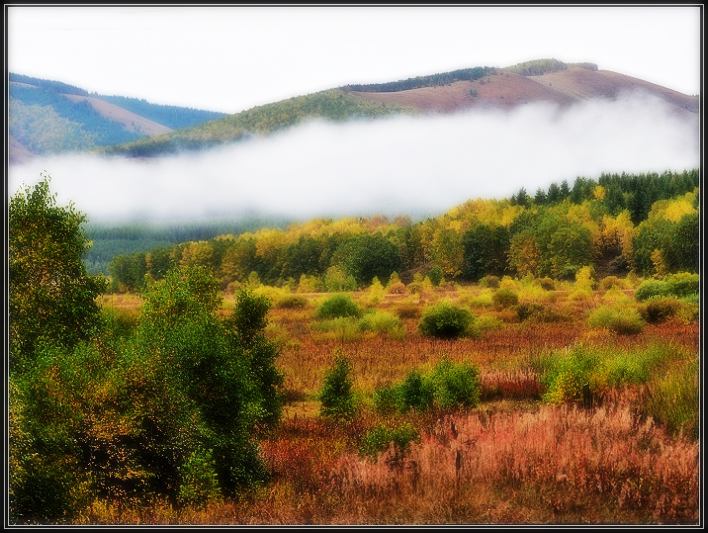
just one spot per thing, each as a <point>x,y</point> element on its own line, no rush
<point>505,298</point>
<point>449,385</point>
<point>445,320</point>
<point>170,411</point>
<point>379,438</point>
<point>621,320</point>
<point>339,305</point>
<point>680,284</point>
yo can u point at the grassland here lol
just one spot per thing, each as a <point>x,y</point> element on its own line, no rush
<point>621,450</point>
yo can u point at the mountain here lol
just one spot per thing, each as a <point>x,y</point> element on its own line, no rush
<point>48,117</point>
<point>534,81</point>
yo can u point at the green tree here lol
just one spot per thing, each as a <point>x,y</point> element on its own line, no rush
<point>336,394</point>
<point>52,297</point>
<point>485,251</point>
<point>368,256</point>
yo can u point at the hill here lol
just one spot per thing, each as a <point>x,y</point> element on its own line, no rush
<point>541,80</point>
<point>49,117</point>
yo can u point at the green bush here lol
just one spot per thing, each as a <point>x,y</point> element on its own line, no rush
<point>416,392</point>
<point>582,373</point>
<point>379,438</point>
<point>436,275</point>
<point>382,322</point>
<point>199,482</point>
<point>505,298</point>
<point>447,386</point>
<point>454,384</point>
<point>119,322</point>
<point>621,320</point>
<point>336,394</point>
<point>339,305</point>
<point>658,309</point>
<point>344,328</point>
<point>491,282</point>
<point>445,320</point>
<point>680,284</point>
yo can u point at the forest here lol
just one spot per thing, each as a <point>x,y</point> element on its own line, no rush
<point>526,360</point>
<point>617,224</point>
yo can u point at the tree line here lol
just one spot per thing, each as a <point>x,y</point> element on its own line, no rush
<point>618,223</point>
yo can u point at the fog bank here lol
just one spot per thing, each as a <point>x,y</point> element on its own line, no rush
<point>398,165</point>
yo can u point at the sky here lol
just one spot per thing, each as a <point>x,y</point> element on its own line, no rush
<point>233,58</point>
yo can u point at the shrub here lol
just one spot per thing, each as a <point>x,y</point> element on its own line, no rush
<point>454,385</point>
<point>395,285</point>
<point>415,392</point>
<point>611,282</point>
<point>680,284</point>
<point>482,324</point>
<point>505,298</point>
<point>436,275</point>
<point>343,328</point>
<point>538,312</point>
<point>583,373</point>
<point>309,284</point>
<point>547,284</point>
<point>378,439</point>
<point>491,282</point>
<point>375,293</point>
<point>291,301</point>
<point>382,322</point>
<point>119,322</point>
<point>529,310</point>
<point>659,309</point>
<point>198,480</point>
<point>674,400</point>
<point>683,283</point>
<point>339,305</point>
<point>621,320</point>
<point>447,386</point>
<point>445,320</point>
<point>336,394</point>
<point>336,279</point>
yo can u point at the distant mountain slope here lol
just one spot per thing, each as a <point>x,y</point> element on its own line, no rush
<point>333,104</point>
<point>539,80</point>
<point>533,81</point>
<point>48,117</point>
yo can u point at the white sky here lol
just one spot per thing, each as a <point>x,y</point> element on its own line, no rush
<point>232,58</point>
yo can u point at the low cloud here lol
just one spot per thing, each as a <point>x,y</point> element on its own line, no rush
<point>398,165</point>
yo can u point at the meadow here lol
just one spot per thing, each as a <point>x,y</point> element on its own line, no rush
<point>585,408</point>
